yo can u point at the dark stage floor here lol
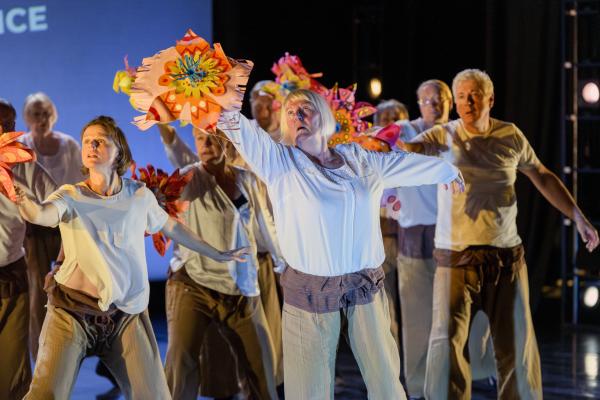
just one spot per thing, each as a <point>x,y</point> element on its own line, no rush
<point>570,366</point>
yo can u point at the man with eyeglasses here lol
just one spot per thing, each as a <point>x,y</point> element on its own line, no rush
<point>416,266</point>
<point>479,255</point>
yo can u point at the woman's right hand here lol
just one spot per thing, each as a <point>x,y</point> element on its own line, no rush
<point>238,254</point>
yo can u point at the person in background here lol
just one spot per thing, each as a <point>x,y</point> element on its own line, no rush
<point>15,366</point>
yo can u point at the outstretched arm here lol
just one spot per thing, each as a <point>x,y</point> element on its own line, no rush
<point>185,237</point>
<point>557,194</point>
<point>178,153</point>
<point>32,211</point>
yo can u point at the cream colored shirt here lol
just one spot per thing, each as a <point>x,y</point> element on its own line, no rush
<point>65,165</point>
<point>103,236</point>
<point>214,217</point>
<point>327,220</point>
<point>37,183</point>
<point>486,213</point>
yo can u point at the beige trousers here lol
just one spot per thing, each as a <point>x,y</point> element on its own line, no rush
<point>504,297</point>
<point>390,267</point>
<point>218,346</point>
<point>130,353</point>
<point>415,285</point>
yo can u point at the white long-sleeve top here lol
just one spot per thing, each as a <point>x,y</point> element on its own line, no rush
<point>327,220</point>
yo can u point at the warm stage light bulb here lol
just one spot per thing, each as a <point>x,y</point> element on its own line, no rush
<point>590,296</point>
<point>590,92</point>
<point>375,87</point>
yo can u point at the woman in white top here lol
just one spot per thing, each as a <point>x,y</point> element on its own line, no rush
<point>98,298</point>
<point>326,208</point>
<point>60,155</point>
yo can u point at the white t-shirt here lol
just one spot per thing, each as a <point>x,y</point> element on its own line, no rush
<point>65,165</point>
<point>327,220</point>
<point>486,213</point>
<point>37,183</point>
<point>104,237</point>
<point>418,204</point>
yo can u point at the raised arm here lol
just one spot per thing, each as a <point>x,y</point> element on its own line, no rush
<point>32,211</point>
<point>266,158</point>
<point>178,153</point>
<point>399,169</point>
<point>551,187</point>
<point>185,237</point>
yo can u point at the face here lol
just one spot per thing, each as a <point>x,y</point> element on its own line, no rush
<point>472,104</point>
<point>210,148</point>
<point>262,110</point>
<point>303,124</point>
<point>7,118</point>
<point>98,150</point>
<point>389,115</point>
<point>434,106</point>
<point>39,116</point>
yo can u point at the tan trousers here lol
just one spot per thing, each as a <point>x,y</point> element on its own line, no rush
<point>15,367</point>
<point>41,248</point>
<point>130,353</point>
<point>415,285</point>
<point>195,365</point>
<point>504,296</point>
<point>270,301</point>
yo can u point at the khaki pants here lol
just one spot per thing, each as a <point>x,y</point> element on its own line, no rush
<point>502,293</point>
<point>270,301</point>
<point>310,342</point>
<point>415,286</point>
<point>130,352</point>
<point>194,366</point>
<point>15,367</point>
<point>41,248</point>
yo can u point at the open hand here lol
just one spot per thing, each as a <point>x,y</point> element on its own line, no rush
<point>235,254</point>
<point>457,185</point>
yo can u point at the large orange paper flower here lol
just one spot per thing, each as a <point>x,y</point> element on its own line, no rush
<point>167,190</point>
<point>190,82</point>
<point>11,153</point>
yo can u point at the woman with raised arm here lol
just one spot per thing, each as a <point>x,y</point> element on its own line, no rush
<point>99,295</point>
<point>326,209</point>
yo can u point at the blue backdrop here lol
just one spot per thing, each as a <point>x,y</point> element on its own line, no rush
<point>71,49</point>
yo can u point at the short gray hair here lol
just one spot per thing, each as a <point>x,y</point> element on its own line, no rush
<point>440,85</point>
<point>40,97</point>
<point>326,121</point>
<point>391,104</point>
<point>483,80</point>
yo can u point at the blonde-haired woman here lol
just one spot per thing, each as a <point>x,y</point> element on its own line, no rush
<point>99,295</point>
<point>326,209</point>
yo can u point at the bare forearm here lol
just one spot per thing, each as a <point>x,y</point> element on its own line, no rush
<point>185,237</point>
<point>557,194</point>
<point>167,133</point>
<point>35,213</point>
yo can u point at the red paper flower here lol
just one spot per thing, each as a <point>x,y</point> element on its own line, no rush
<point>167,189</point>
<point>11,152</point>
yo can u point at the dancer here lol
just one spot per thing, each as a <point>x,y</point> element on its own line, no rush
<point>416,267</point>
<point>98,297</point>
<point>218,329</point>
<point>326,208</point>
<point>14,298</point>
<point>479,255</point>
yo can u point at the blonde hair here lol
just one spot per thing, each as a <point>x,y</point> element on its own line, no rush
<point>326,122</point>
<point>391,104</point>
<point>40,97</point>
<point>439,85</point>
<point>483,80</point>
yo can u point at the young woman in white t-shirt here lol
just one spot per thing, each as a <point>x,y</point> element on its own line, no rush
<point>99,295</point>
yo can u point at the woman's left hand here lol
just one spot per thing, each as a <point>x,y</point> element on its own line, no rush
<point>235,254</point>
<point>457,185</point>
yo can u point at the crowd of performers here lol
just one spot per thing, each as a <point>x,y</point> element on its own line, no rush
<point>296,232</point>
